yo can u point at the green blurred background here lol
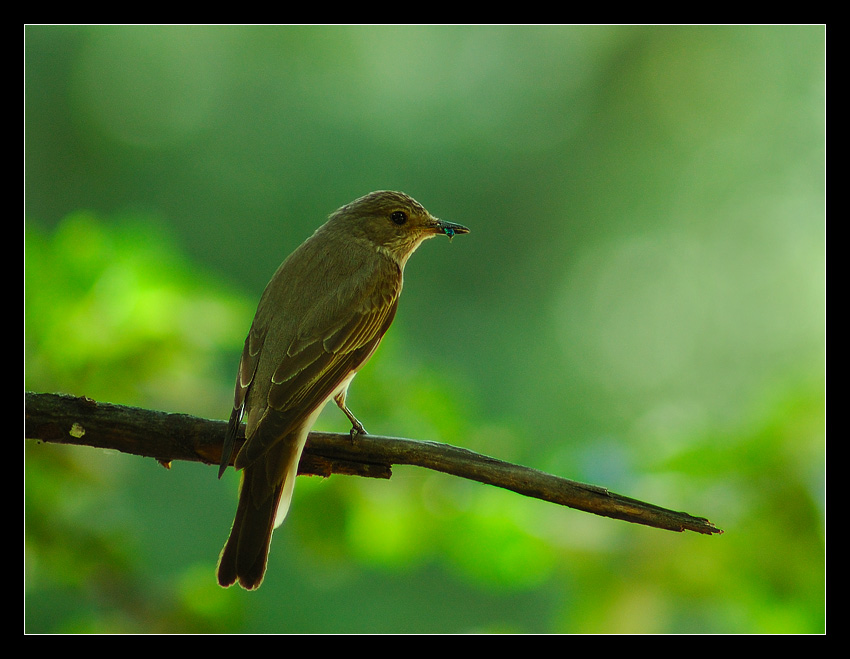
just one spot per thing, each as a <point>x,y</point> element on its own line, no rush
<point>640,305</point>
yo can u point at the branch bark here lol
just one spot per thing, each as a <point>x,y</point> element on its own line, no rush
<point>166,437</point>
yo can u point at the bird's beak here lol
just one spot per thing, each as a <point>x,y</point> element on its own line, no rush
<point>448,228</point>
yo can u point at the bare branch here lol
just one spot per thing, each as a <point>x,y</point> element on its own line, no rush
<point>81,421</point>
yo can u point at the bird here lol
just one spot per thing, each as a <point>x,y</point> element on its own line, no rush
<point>319,320</point>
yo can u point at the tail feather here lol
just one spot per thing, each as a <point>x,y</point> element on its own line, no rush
<point>264,496</point>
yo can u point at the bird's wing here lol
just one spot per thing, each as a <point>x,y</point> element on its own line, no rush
<point>342,335</point>
<point>245,376</point>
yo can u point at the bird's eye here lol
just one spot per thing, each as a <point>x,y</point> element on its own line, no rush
<point>399,217</point>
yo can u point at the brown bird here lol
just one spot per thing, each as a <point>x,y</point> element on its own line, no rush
<point>320,318</point>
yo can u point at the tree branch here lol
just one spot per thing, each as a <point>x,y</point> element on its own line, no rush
<point>82,421</point>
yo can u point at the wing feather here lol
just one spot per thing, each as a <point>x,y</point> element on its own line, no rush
<point>328,348</point>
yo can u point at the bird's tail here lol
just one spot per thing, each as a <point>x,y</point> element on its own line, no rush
<point>265,492</point>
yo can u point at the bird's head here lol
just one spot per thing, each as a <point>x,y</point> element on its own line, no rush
<point>393,221</point>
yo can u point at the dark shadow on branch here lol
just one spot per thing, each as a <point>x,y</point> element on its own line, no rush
<point>166,437</point>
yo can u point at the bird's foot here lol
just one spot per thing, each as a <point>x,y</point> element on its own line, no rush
<point>356,429</point>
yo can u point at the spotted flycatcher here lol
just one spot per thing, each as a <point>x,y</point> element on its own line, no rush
<point>319,320</point>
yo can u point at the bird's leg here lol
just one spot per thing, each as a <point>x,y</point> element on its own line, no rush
<point>356,427</point>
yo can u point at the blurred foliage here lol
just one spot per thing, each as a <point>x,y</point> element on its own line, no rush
<point>640,304</point>
<point>102,299</point>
